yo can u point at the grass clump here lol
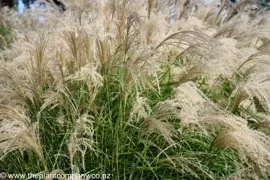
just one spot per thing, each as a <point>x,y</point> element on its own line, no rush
<point>107,88</point>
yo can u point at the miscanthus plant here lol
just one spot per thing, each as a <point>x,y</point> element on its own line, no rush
<point>110,87</point>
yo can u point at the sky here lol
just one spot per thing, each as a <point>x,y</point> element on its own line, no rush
<point>20,6</point>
